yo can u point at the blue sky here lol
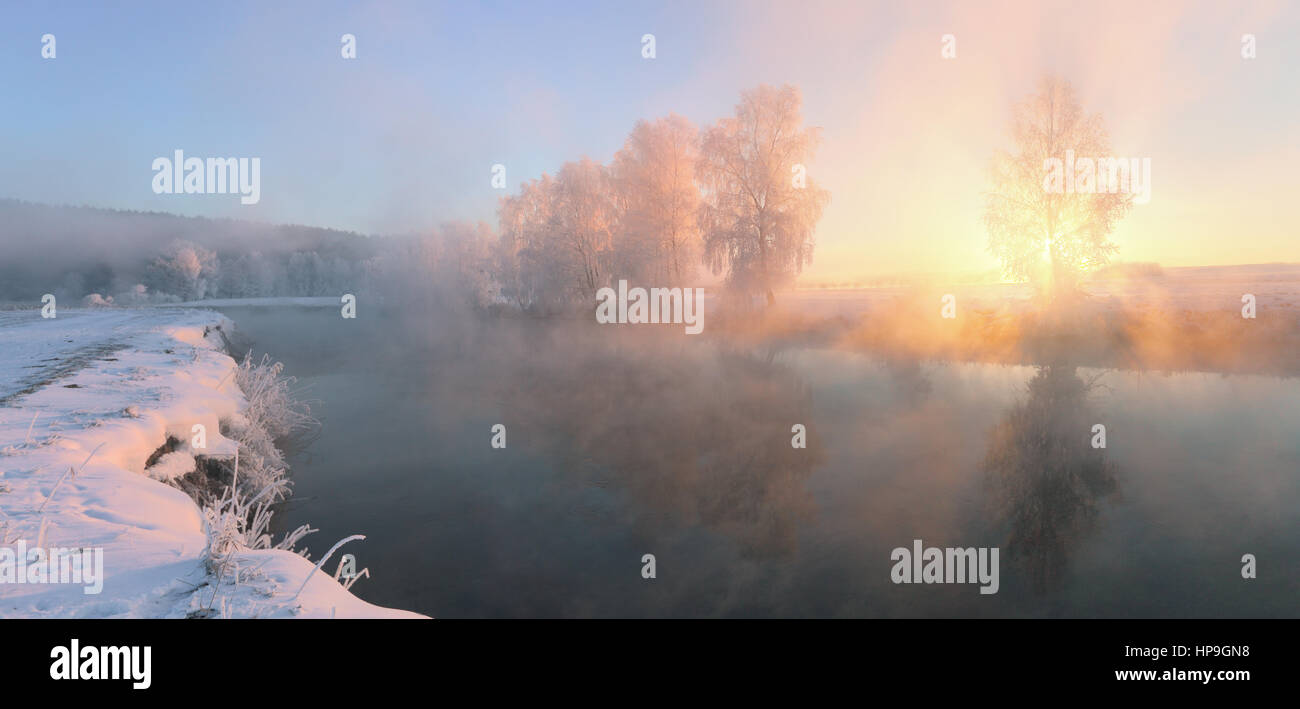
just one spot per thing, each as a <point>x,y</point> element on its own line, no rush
<point>404,137</point>
<point>400,138</point>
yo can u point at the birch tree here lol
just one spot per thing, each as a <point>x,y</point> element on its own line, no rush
<point>760,208</point>
<point>655,176</point>
<point>1048,236</point>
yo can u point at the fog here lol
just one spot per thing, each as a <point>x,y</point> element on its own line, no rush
<point>628,440</point>
<point>73,252</point>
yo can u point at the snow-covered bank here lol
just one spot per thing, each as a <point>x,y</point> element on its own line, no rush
<point>97,393</point>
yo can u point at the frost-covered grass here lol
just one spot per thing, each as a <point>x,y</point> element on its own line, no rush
<point>87,401</point>
<point>239,518</point>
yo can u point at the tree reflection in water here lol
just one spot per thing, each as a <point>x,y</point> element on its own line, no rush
<point>692,437</point>
<point>1045,477</point>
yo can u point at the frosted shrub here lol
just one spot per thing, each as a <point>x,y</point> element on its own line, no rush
<point>272,414</point>
<point>271,404</point>
<point>239,518</point>
<point>237,521</point>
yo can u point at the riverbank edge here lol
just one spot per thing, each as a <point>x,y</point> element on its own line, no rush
<point>73,483</point>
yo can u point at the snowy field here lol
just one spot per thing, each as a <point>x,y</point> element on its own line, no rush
<point>85,400</point>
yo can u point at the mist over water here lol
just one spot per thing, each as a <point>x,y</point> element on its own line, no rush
<point>627,441</point>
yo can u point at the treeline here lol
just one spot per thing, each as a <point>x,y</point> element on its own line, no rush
<point>734,197</point>
<point>676,202</point>
<point>134,258</point>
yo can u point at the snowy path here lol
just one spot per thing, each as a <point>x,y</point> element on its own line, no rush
<point>98,392</point>
<point>37,351</point>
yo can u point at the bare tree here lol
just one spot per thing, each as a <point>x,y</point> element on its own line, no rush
<point>760,208</point>
<point>1050,236</point>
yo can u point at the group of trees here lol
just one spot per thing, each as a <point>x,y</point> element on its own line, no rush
<point>734,197</point>
<point>137,258</point>
<point>450,265</point>
<point>187,271</point>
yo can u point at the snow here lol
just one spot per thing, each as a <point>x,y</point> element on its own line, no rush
<point>172,465</point>
<point>85,399</point>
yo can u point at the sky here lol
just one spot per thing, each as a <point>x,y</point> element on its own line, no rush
<point>404,136</point>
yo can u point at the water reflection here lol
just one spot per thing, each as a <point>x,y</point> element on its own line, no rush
<point>910,382</point>
<point>692,436</point>
<point>1046,479</point>
<point>623,442</point>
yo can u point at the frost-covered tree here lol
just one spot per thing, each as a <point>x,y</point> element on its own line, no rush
<point>760,207</point>
<point>186,270</point>
<point>451,267</point>
<point>1051,237</point>
<point>654,174</point>
<point>467,257</point>
<point>558,237</point>
<point>587,219</point>
<point>530,266</point>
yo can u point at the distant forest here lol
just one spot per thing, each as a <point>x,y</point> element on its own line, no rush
<point>732,198</point>
<point>99,256</point>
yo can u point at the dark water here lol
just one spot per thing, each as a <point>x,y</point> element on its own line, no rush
<point>623,444</point>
